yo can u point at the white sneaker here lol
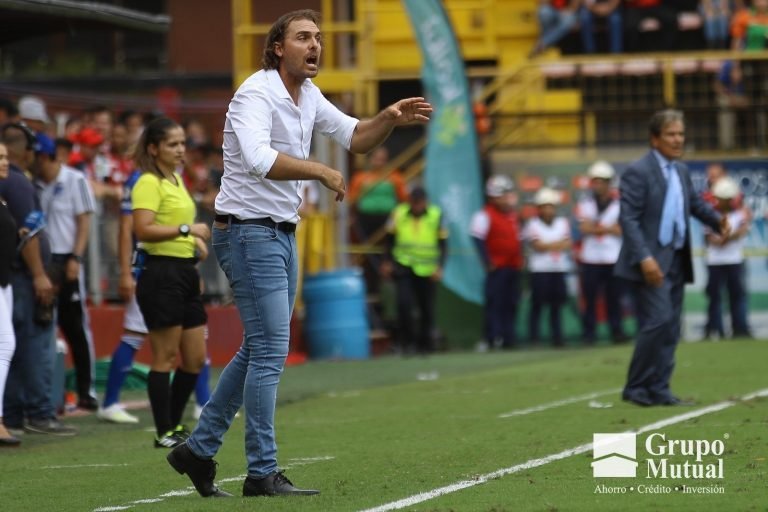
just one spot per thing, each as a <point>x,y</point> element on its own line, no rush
<point>116,414</point>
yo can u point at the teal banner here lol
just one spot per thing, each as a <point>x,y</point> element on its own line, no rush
<point>452,174</point>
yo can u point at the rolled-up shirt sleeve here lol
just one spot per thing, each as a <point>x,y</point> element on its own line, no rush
<point>333,122</point>
<point>250,116</point>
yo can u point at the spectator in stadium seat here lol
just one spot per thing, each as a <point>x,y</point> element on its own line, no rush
<point>7,255</point>
<point>637,14</point>
<point>657,200</point>
<point>496,232</point>
<point>556,19</point>
<point>598,216</point>
<point>749,27</point>
<point>266,145</point>
<point>716,15</point>
<point>725,263</point>
<point>549,238</point>
<point>610,10</point>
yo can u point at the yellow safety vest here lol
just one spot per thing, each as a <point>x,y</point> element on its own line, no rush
<point>416,239</point>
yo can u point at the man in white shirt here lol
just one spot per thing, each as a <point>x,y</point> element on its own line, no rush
<point>725,262</point>
<point>267,137</point>
<point>68,203</point>
<point>549,238</point>
<point>598,217</point>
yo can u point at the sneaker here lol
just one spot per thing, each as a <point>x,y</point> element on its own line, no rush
<point>88,403</point>
<point>182,432</point>
<point>202,472</point>
<point>116,414</point>
<point>169,440</point>
<point>50,426</point>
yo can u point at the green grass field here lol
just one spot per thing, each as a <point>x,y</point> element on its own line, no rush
<point>372,433</point>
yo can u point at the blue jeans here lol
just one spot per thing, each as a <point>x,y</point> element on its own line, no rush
<point>28,388</point>
<point>261,266</point>
<point>555,25</point>
<point>615,30</point>
<point>716,27</point>
<point>732,278</point>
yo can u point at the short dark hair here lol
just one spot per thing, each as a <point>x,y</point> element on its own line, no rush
<point>276,34</point>
<point>662,118</point>
<point>14,133</point>
<point>9,107</point>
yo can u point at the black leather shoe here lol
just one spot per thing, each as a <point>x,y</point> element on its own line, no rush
<point>641,400</point>
<point>202,472</point>
<point>674,400</point>
<point>275,484</point>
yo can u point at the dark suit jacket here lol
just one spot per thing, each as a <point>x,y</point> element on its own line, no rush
<point>643,189</point>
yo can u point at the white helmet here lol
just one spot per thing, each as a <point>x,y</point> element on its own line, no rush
<point>498,185</point>
<point>601,169</point>
<point>547,196</point>
<point>725,188</point>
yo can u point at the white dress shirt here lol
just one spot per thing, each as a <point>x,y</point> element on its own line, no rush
<point>261,122</point>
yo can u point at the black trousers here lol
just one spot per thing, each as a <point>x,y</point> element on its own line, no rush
<point>414,294</point>
<point>547,289</point>
<point>502,297</point>
<point>71,321</point>
<point>597,279</point>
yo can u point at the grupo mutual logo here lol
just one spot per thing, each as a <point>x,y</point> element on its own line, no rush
<point>661,459</point>
<point>614,455</point>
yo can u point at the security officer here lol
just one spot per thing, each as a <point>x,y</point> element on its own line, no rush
<point>416,248</point>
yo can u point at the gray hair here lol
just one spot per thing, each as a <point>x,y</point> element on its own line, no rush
<point>662,118</point>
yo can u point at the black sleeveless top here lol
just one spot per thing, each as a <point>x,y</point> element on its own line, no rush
<point>7,243</point>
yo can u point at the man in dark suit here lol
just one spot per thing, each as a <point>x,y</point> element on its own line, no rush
<point>657,200</point>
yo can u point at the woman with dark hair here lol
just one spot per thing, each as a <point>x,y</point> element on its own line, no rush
<point>168,286</point>
<point>7,338</point>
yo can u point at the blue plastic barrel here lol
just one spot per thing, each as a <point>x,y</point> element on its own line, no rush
<point>336,319</point>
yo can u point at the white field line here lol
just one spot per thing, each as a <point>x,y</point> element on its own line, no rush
<point>78,466</point>
<point>558,403</point>
<point>534,463</point>
<point>302,461</point>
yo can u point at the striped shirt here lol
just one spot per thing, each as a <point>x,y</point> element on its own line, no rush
<point>62,200</point>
